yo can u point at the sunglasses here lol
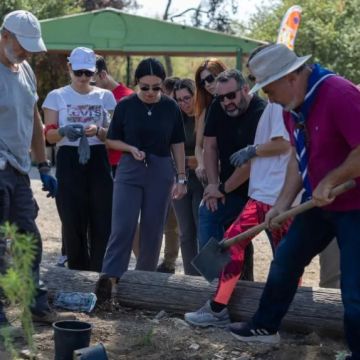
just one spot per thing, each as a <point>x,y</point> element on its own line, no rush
<point>80,73</point>
<point>209,79</point>
<point>185,99</point>
<point>148,88</point>
<point>230,96</point>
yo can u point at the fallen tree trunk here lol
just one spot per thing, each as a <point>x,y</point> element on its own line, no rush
<point>313,309</point>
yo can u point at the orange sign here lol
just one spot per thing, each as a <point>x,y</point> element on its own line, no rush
<point>289,27</point>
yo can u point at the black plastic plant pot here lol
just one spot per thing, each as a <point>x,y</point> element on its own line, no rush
<point>70,335</point>
<point>91,353</point>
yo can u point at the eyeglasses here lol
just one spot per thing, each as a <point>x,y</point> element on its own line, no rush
<point>230,96</point>
<point>185,99</point>
<point>209,79</point>
<point>148,88</point>
<point>80,73</point>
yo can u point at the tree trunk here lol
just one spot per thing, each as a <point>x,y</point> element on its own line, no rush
<point>168,63</point>
<point>313,309</point>
<point>168,66</point>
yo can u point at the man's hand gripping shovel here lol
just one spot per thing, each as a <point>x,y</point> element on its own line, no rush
<point>214,256</point>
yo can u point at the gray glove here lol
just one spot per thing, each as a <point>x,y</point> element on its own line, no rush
<point>72,131</point>
<point>242,156</point>
<point>84,150</point>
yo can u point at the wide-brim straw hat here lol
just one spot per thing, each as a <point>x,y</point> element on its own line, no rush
<point>272,63</point>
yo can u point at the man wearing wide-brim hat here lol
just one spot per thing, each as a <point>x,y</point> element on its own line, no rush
<point>322,112</point>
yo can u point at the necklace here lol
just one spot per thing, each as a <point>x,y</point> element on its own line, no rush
<point>149,109</point>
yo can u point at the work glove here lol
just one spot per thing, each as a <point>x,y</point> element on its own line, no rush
<point>48,181</point>
<point>72,131</point>
<point>242,156</point>
<point>84,150</point>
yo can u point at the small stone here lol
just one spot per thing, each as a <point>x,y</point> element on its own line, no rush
<point>180,324</point>
<point>155,321</point>
<point>312,339</point>
<point>218,357</point>
<point>194,347</point>
<point>161,314</point>
<point>27,354</point>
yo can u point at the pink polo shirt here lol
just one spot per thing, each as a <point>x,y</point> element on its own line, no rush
<point>334,131</point>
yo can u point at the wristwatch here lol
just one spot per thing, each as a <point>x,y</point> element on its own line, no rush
<point>221,188</point>
<point>44,164</point>
<point>182,181</point>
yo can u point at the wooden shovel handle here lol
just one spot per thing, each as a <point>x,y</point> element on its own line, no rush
<point>307,205</point>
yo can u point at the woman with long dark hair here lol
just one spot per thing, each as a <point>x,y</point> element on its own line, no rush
<point>147,126</point>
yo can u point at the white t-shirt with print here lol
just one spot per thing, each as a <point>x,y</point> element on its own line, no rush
<point>85,109</point>
<point>267,174</point>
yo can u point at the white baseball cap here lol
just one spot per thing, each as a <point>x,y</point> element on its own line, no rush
<point>82,58</point>
<point>26,28</point>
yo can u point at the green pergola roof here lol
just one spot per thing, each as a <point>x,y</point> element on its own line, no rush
<point>113,31</point>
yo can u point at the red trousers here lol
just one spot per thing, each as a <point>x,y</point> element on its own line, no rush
<point>252,214</point>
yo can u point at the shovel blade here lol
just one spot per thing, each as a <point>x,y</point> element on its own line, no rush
<point>211,259</point>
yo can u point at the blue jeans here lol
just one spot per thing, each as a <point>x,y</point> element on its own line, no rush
<point>212,224</point>
<point>309,234</point>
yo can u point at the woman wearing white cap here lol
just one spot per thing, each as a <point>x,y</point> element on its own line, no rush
<point>76,119</point>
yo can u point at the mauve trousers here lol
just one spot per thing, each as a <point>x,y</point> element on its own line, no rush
<point>143,189</point>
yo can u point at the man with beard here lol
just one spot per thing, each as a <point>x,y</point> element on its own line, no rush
<point>21,130</point>
<point>322,113</point>
<point>230,126</point>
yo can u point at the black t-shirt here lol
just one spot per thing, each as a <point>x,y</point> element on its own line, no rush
<point>152,134</point>
<point>233,134</point>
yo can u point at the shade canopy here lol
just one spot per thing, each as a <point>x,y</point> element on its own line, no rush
<point>113,31</point>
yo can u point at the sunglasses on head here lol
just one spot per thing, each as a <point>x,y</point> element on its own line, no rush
<point>185,99</point>
<point>230,96</point>
<point>87,73</point>
<point>209,79</point>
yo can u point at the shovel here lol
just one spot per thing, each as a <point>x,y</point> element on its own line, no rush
<point>213,257</point>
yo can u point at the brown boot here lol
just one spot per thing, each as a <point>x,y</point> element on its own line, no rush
<point>103,288</point>
<point>51,316</point>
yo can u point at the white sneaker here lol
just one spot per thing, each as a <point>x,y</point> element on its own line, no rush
<point>206,317</point>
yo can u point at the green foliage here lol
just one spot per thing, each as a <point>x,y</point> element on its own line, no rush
<point>329,30</point>
<point>43,9</point>
<point>147,339</point>
<point>182,66</point>
<point>17,283</point>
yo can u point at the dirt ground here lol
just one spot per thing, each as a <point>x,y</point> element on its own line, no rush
<point>133,334</point>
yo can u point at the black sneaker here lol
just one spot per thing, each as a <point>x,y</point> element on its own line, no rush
<point>163,268</point>
<point>246,332</point>
<point>7,330</point>
<point>3,319</point>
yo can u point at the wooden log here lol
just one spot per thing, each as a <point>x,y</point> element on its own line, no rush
<point>313,309</point>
